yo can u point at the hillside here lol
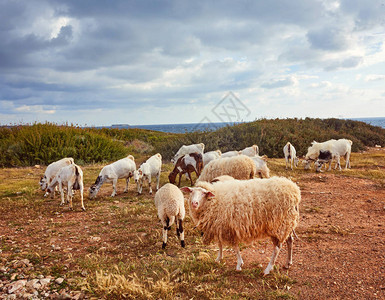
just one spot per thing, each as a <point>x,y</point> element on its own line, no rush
<point>45,143</point>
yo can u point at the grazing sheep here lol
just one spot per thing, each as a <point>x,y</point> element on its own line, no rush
<point>211,155</point>
<point>123,168</point>
<point>194,148</point>
<point>51,172</point>
<point>290,155</point>
<point>239,167</point>
<point>244,211</point>
<point>152,167</point>
<point>222,178</point>
<point>72,177</point>
<point>169,201</point>
<point>261,166</point>
<point>188,163</point>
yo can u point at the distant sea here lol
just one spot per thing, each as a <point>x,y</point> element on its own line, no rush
<point>183,128</point>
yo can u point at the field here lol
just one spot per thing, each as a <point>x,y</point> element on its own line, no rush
<point>113,250</point>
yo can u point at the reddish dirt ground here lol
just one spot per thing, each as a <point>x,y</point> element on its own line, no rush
<point>340,253</point>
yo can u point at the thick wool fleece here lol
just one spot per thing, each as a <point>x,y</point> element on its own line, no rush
<point>248,210</point>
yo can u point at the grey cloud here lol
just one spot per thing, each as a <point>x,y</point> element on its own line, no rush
<point>350,62</point>
<point>329,38</point>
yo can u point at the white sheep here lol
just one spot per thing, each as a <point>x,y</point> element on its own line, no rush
<point>211,155</point>
<point>250,151</point>
<point>70,176</point>
<point>51,172</point>
<point>230,154</point>
<point>290,155</point>
<point>261,166</point>
<point>169,202</point>
<point>123,168</point>
<point>244,211</point>
<point>239,167</point>
<point>337,148</point>
<point>152,167</point>
<point>183,150</point>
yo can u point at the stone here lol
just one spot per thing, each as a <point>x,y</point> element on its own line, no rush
<point>59,280</point>
<point>16,286</point>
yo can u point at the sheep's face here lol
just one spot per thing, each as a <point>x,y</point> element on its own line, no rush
<point>43,183</point>
<point>138,174</point>
<point>172,177</point>
<point>306,162</point>
<point>197,196</point>
<point>92,191</point>
<point>318,165</point>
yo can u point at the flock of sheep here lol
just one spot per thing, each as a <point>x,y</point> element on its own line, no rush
<point>227,204</point>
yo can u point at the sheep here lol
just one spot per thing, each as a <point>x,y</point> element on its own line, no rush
<point>169,202</point>
<point>188,163</point>
<point>337,148</point>
<point>250,151</point>
<point>239,167</point>
<point>51,172</point>
<point>72,177</point>
<point>123,168</point>
<point>244,211</point>
<point>290,155</point>
<point>222,178</point>
<point>230,154</point>
<point>211,155</point>
<point>261,166</point>
<point>152,167</point>
<point>198,148</point>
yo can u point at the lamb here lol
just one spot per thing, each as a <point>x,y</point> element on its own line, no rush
<point>169,201</point>
<point>290,155</point>
<point>244,211</point>
<point>211,155</point>
<point>239,167</point>
<point>123,168</point>
<point>72,177</point>
<point>51,172</point>
<point>152,167</point>
<point>188,163</point>
<point>261,166</point>
<point>197,148</point>
<point>250,151</point>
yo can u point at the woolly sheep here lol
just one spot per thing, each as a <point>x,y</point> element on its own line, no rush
<point>244,211</point>
<point>123,168</point>
<point>51,172</point>
<point>152,167</point>
<point>239,167</point>
<point>169,202</point>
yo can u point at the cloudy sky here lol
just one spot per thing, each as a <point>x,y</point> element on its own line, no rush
<point>94,62</point>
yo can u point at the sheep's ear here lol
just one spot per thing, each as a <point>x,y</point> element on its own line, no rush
<point>209,195</point>
<point>140,172</point>
<point>264,157</point>
<point>186,189</point>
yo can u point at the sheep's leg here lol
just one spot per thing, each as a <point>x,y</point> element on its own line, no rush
<point>286,162</point>
<point>180,177</point>
<point>190,177</point>
<point>289,243</point>
<point>149,184</point>
<point>157,180</point>
<point>139,185</point>
<point>166,226</point>
<point>276,250</point>
<point>81,196</point>
<point>127,181</point>
<point>61,193</point>
<point>239,258</point>
<point>220,252</point>
<point>180,232</point>
<point>114,182</point>
<point>69,196</point>
<point>347,162</point>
